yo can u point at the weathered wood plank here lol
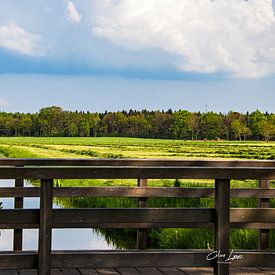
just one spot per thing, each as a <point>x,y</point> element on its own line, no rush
<point>148,192</point>
<point>266,271</point>
<point>87,271</point>
<point>166,271</point>
<point>136,162</point>
<point>11,192</point>
<point>130,258</point>
<point>146,218</point>
<point>18,218</point>
<point>28,272</point>
<point>142,232</point>
<point>134,218</point>
<point>70,271</point>
<point>263,234</point>
<point>15,260</point>
<point>252,215</point>
<point>134,192</point>
<point>252,225</point>
<point>128,172</point>
<point>252,193</point>
<point>255,259</point>
<point>222,225</point>
<point>45,228</point>
<point>140,192</point>
<point>252,271</point>
<point>8,272</point>
<point>107,271</point>
<point>128,271</point>
<point>18,203</point>
<point>171,271</point>
<point>57,272</point>
<point>149,270</point>
<point>136,258</point>
<point>196,271</point>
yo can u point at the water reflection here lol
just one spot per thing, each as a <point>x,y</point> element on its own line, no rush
<point>62,239</point>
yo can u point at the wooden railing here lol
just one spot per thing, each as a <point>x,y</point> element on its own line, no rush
<point>221,218</point>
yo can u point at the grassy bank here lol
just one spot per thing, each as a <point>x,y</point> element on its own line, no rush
<point>150,148</point>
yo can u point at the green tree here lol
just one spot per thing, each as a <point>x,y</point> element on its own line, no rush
<point>94,123</point>
<point>256,120</point>
<point>25,125</point>
<point>116,123</point>
<point>267,129</point>
<point>193,123</point>
<point>138,125</point>
<point>50,120</point>
<point>180,127</point>
<point>72,130</point>
<point>239,129</point>
<point>211,125</point>
<point>160,124</point>
<point>83,128</point>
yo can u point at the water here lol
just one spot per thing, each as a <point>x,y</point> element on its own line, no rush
<point>62,239</point>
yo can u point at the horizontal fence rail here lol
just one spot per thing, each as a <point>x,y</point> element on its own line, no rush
<point>134,172</point>
<point>134,192</point>
<point>221,218</point>
<point>133,218</point>
<point>135,162</point>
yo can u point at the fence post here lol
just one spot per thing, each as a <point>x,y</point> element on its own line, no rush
<point>263,234</point>
<point>18,203</point>
<point>45,227</point>
<point>222,225</point>
<point>142,232</point>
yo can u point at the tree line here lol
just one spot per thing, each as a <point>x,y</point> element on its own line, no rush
<point>182,124</point>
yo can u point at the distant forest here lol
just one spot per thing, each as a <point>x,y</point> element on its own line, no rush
<point>54,121</point>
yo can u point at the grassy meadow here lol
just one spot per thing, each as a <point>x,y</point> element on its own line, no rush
<point>24,147</point>
<point>106,147</point>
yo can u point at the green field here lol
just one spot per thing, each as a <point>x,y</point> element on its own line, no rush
<point>150,148</point>
<point>133,148</point>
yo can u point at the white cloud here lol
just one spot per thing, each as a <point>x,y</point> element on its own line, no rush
<point>15,38</point>
<point>234,36</point>
<point>72,13</point>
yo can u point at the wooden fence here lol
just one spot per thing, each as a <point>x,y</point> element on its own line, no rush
<point>221,218</point>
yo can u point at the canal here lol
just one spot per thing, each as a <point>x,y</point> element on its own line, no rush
<point>62,239</point>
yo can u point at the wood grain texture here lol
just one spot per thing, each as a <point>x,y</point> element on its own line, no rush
<point>128,172</point>
<point>135,162</point>
<point>222,225</point>
<point>142,236</point>
<point>18,204</point>
<point>138,218</point>
<point>132,218</point>
<point>45,227</point>
<point>19,218</point>
<point>134,192</point>
<point>263,234</point>
<point>130,258</point>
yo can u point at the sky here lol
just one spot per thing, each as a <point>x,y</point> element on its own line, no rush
<point>98,55</point>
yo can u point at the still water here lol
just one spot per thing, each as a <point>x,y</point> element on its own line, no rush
<point>62,239</point>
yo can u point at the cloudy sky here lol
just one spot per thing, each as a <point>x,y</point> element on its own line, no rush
<point>119,54</point>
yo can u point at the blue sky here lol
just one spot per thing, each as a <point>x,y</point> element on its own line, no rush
<point>120,54</point>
